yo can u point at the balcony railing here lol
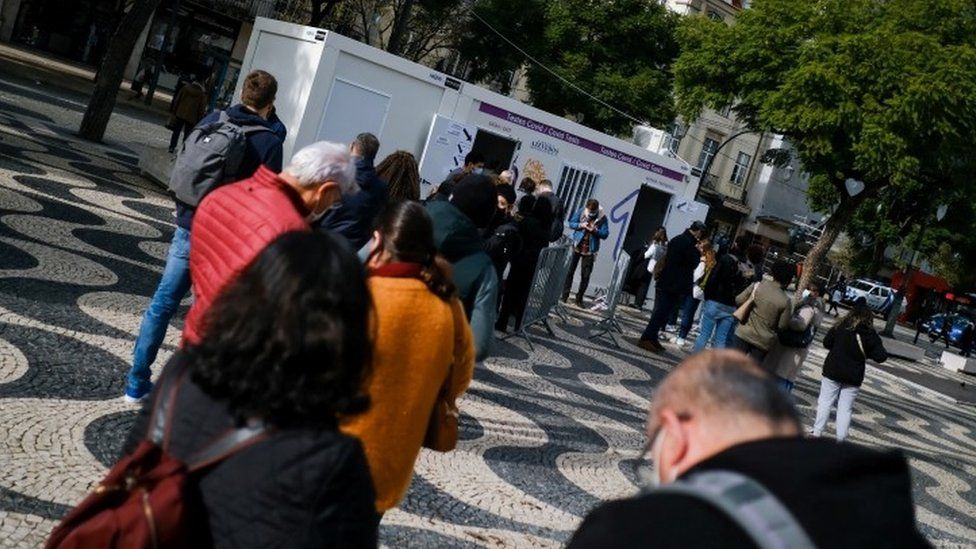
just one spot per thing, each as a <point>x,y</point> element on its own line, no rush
<point>726,189</point>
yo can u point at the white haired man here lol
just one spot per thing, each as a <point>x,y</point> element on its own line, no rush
<point>735,472</point>
<point>235,223</point>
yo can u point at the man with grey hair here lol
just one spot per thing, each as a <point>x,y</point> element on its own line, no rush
<point>734,471</point>
<point>235,222</point>
<point>353,218</point>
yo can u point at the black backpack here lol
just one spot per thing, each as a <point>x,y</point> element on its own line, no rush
<point>799,340</point>
<point>211,155</point>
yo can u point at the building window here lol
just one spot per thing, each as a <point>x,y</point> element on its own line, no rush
<point>708,151</point>
<point>576,185</point>
<point>740,169</point>
<point>673,144</point>
<point>726,111</point>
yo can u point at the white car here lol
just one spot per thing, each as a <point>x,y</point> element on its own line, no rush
<point>879,296</point>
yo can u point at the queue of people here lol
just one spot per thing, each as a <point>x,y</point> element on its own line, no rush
<point>308,379</point>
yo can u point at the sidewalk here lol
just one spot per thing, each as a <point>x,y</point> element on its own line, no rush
<point>40,67</point>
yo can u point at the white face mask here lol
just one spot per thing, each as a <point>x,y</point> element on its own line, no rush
<point>478,171</point>
<point>653,477</point>
<point>805,294</point>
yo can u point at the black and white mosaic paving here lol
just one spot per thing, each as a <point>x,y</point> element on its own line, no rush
<point>547,433</point>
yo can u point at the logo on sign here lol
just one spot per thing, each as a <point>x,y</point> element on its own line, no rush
<point>544,147</point>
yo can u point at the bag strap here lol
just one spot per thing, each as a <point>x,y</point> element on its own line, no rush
<point>224,118</point>
<point>860,345</point>
<point>749,504</point>
<point>227,445</point>
<point>162,415</point>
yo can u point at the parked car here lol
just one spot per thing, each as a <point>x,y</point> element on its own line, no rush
<point>957,324</point>
<point>879,296</point>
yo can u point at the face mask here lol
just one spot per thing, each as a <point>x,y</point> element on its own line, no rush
<point>478,171</point>
<point>313,217</point>
<point>653,478</point>
<point>805,294</point>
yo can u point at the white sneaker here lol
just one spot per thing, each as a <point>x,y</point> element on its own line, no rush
<point>679,342</point>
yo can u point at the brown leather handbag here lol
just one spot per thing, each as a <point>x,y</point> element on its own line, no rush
<point>442,427</point>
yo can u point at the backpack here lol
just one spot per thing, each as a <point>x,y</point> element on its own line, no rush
<point>211,155</point>
<point>747,503</point>
<point>142,502</point>
<point>799,340</point>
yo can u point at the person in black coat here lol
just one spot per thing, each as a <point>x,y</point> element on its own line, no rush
<point>502,239</point>
<point>289,348</point>
<point>851,342</point>
<point>719,412</point>
<point>674,283</point>
<point>354,216</point>
<point>534,236</point>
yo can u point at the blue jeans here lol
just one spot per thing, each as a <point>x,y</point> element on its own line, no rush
<point>172,288</point>
<point>688,310</point>
<point>718,325</point>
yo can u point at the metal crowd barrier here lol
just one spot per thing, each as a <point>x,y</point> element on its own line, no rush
<point>608,325</point>
<point>547,286</point>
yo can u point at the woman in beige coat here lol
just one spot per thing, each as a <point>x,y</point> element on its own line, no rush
<point>770,314</point>
<point>788,354</point>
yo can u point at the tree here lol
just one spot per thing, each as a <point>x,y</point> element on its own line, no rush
<point>413,29</point>
<point>321,11</point>
<point>877,91</point>
<point>621,52</point>
<point>102,101</point>
<point>491,59</point>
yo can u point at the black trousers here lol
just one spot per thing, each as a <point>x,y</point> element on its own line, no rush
<point>517,289</point>
<point>179,126</point>
<point>587,261</point>
<point>665,304</point>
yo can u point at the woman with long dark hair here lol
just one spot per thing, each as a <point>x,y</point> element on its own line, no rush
<point>286,347</point>
<point>533,218</point>
<point>402,175</point>
<point>851,342</point>
<point>423,348</point>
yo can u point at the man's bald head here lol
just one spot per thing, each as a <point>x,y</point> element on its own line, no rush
<point>712,401</point>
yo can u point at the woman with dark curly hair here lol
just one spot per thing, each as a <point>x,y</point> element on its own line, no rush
<point>423,351</point>
<point>287,347</point>
<point>402,175</point>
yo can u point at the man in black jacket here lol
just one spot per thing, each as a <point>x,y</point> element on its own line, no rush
<point>354,216</point>
<point>719,412</point>
<point>674,283</point>
<point>557,211</point>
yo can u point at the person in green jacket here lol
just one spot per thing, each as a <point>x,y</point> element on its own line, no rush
<point>458,238</point>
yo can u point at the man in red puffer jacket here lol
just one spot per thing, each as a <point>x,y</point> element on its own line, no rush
<point>235,222</point>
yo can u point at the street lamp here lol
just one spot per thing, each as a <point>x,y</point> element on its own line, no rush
<point>708,163</point>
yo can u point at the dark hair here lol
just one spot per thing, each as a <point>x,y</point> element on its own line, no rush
<point>289,340</point>
<point>755,254</point>
<point>259,89</point>
<point>408,236</point>
<point>526,205</point>
<point>527,185</point>
<point>660,235</point>
<point>859,317</point>
<point>783,272</point>
<point>474,157</point>
<point>368,145</point>
<point>592,204</point>
<point>506,191</point>
<point>402,176</point>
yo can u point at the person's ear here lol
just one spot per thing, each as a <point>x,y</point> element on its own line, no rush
<point>377,243</point>
<point>675,444</point>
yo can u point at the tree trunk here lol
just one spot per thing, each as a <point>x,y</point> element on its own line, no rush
<point>110,72</point>
<point>834,226</point>
<point>400,28</point>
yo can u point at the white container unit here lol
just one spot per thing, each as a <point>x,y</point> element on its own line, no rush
<point>331,87</point>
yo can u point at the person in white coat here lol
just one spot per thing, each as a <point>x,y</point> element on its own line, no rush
<point>787,356</point>
<point>654,254</point>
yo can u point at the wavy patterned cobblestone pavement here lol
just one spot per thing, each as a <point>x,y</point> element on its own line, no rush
<point>546,434</point>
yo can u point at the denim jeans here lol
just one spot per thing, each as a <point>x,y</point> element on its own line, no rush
<point>844,395</point>
<point>688,310</point>
<point>173,287</point>
<point>717,325</point>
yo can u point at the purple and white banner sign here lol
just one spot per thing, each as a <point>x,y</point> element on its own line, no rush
<point>580,142</point>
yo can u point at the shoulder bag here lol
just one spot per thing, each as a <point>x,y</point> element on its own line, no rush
<point>742,313</point>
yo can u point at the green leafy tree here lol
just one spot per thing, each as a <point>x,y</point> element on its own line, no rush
<point>620,51</point>
<point>490,58</point>
<point>878,91</point>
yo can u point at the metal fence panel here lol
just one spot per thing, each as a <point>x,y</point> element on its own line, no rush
<point>547,285</point>
<point>609,325</point>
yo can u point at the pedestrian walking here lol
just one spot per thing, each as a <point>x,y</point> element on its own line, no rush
<point>533,236</point>
<point>788,354</point>
<point>458,225</point>
<point>673,283</point>
<point>186,110</point>
<point>654,254</point>
<point>262,147</point>
<point>834,297</point>
<point>423,357</point>
<point>355,213</point>
<point>590,226</point>
<point>966,338</point>
<point>850,343</point>
<point>402,176</point>
<point>768,315</point>
<point>690,307</point>
<point>730,470</point>
<point>728,280</point>
<point>235,222</point>
<point>287,352</point>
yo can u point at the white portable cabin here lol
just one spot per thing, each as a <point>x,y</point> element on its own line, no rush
<point>332,88</point>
